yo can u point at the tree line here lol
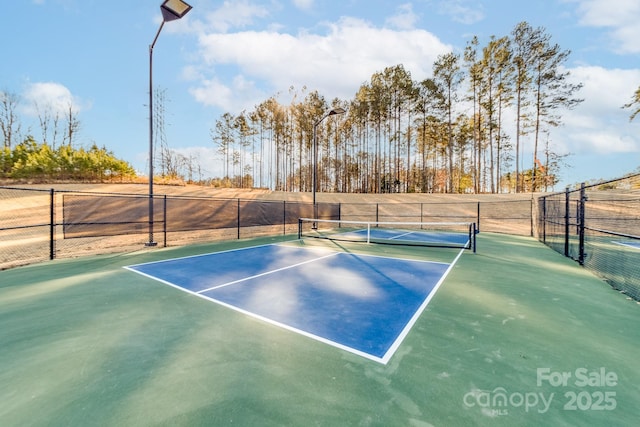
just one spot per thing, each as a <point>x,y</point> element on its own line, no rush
<point>54,157</point>
<point>41,162</point>
<point>481,123</point>
<point>460,130</point>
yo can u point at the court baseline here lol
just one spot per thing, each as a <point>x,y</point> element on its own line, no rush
<point>363,304</point>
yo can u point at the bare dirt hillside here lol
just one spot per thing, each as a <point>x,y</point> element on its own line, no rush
<point>233,193</point>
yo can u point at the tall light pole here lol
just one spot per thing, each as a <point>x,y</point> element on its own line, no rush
<point>314,184</point>
<point>171,11</point>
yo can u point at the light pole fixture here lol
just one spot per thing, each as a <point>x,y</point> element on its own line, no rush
<point>314,183</point>
<point>171,11</point>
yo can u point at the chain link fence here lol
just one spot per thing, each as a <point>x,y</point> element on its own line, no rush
<point>506,216</point>
<point>596,225</point>
<point>38,225</point>
<point>599,227</point>
<point>26,226</point>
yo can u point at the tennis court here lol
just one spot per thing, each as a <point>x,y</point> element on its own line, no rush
<point>360,303</point>
<point>289,332</point>
<point>440,234</point>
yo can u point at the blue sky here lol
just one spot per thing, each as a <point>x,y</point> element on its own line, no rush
<point>231,55</point>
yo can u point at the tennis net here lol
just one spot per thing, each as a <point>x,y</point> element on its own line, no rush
<point>436,234</point>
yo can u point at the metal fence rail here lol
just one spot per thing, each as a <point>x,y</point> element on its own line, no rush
<point>37,225</point>
<point>599,227</point>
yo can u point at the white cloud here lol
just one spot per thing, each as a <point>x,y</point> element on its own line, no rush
<point>404,19</point>
<point>49,95</point>
<point>621,18</point>
<point>234,14</point>
<point>606,89</point>
<point>303,4</point>
<point>601,13</point>
<point>599,123</point>
<point>206,159</point>
<point>604,141</point>
<point>462,11</point>
<point>335,63</point>
<point>239,95</point>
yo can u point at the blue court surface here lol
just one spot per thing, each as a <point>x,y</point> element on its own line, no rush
<point>360,303</point>
<point>434,237</point>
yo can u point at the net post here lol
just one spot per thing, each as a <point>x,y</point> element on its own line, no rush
<point>475,232</point>
<point>239,224</point>
<point>299,228</point>
<point>368,232</point>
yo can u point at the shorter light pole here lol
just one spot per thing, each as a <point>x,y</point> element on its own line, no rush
<point>171,10</point>
<point>314,183</point>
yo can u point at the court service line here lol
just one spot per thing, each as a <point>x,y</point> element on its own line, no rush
<point>266,273</point>
<point>405,331</point>
<point>401,235</point>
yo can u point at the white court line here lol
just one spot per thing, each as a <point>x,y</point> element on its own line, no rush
<point>383,360</point>
<point>396,344</point>
<point>130,267</point>
<point>414,232</point>
<point>266,273</point>
<point>628,245</point>
<point>294,329</point>
<point>401,235</point>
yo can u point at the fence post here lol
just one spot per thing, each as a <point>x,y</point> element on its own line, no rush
<point>478,220</point>
<point>164,221</point>
<point>52,224</point>
<point>583,199</point>
<point>566,222</point>
<point>531,206</point>
<point>239,219</point>
<point>543,221</point>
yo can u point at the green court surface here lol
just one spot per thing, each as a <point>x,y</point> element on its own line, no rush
<point>516,335</point>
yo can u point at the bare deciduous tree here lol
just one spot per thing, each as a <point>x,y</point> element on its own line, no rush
<point>9,120</point>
